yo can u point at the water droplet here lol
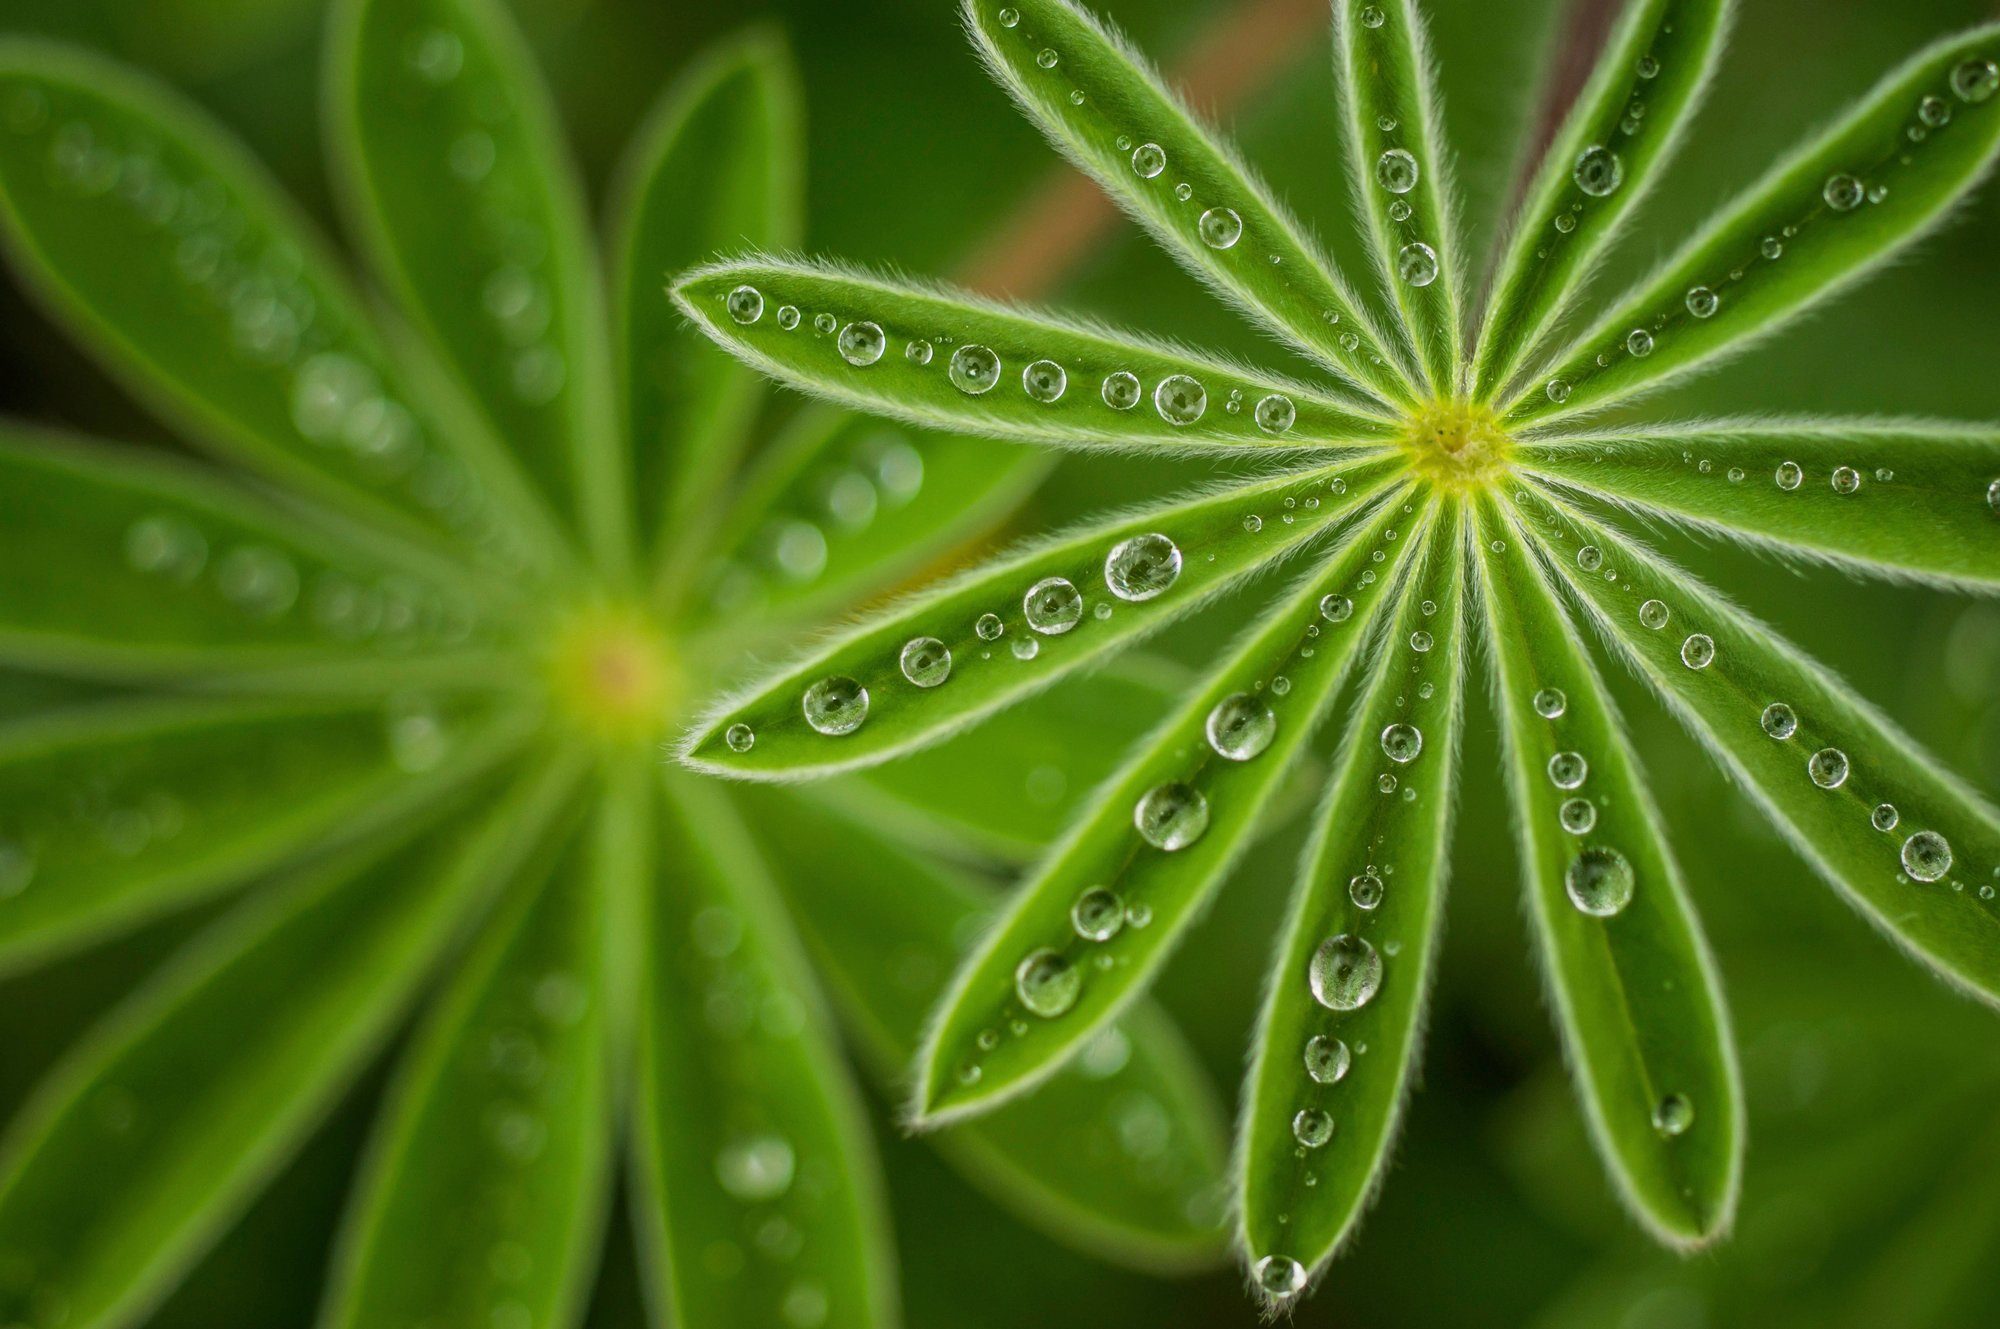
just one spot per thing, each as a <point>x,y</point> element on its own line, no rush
<point>1843,193</point>
<point>740,737</point>
<point>1311,1127</point>
<point>1253,523</point>
<point>1417,264</point>
<point>167,546</point>
<point>1568,770</point>
<point>1327,1059</point>
<point>1828,768</point>
<point>1975,81</point>
<point>1790,475</point>
<point>824,324</point>
<point>1220,228</point>
<point>1550,703</point>
<point>1702,302</point>
<point>1402,742</point>
<point>836,705</point>
<point>1149,159</point>
<point>918,352</point>
<point>1275,414</point>
<point>1045,381</point>
<point>1698,651</point>
<point>1590,558</point>
<point>1599,882</point>
<point>1653,614</point>
<point>1053,606</point>
<point>974,370</point>
<point>1142,567</point>
<point>1047,984</point>
<point>1279,1276</point>
<point>1673,1115</point>
<point>1934,111</point>
<point>756,1168</point>
<point>1558,390</point>
<point>1926,855</point>
<point>1884,817</point>
<point>1993,497</point>
<point>788,317</point>
<point>1365,890</point>
<point>1845,480</point>
<point>1240,727</point>
<point>1396,171</point>
<point>1180,400</point>
<point>1345,973</point>
<point>925,661</point>
<point>1779,720</point>
<point>1048,59</point>
<point>261,582</point>
<point>989,627</point>
<point>1122,391</point>
<point>1649,68</point>
<point>1639,343</point>
<point>1578,815</point>
<point>861,344</point>
<point>745,304</point>
<point>1598,171</point>
<point>1010,18</point>
<point>1336,608</point>
<point>1098,914</point>
<point>1372,16</point>
<point>1171,816</point>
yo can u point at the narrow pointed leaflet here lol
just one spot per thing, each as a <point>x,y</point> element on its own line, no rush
<point>1634,991</point>
<point>1401,173</point>
<point>1611,151</point>
<point>961,651</point>
<point>1337,1045</point>
<point>1090,930</point>
<point>1881,819</point>
<point>1104,109</point>
<point>1847,203</point>
<point>942,359</point>
<point>1909,500</point>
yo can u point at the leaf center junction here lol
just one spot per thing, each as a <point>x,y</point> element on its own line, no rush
<point>1457,446</point>
<point>611,673</point>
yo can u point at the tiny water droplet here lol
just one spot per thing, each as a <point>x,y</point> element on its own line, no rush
<point>1926,855</point>
<point>1240,727</point>
<point>1649,68</point>
<point>1828,768</point>
<point>836,705</point>
<point>1171,816</point>
<point>1098,914</point>
<point>926,661</point>
<point>1220,228</point>
<point>1779,721</point>
<point>1599,882</point>
<point>1345,973</point>
<point>1702,302</point>
<point>1047,984</point>
<point>1673,1115</point>
<point>1843,193</point>
<point>1312,1127</point>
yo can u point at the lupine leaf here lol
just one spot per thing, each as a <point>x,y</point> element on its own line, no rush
<point>1908,844</point>
<point>716,167</point>
<point>177,262</point>
<point>126,565</point>
<point>1909,500</point>
<point>114,813</point>
<point>163,1123</point>
<point>1401,176</point>
<point>463,198</point>
<point>944,359</point>
<point>503,1096</point>
<point>1215,542</point>
<point>1630,120</point>
<point>1123,1157</point>
<point>841,506</point>
<point>751,1140</point>
<point>1136,139</point>
<point>1632,985</point>
<point>1841,207</point>
<point>1091,928</point>
<point>1363,929</point>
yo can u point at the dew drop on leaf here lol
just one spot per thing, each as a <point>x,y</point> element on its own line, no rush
<point>1702,302</point>
<point>1578,815</point>
<point>824,324</point>
<point>788,317</point>
<point>1053,606</point>
<point>1279,1276</point>
<point>1639,343</point>
<point>1240,727</point>
<point>1402,742</point>
<point>1220,228</point>
<point>925,661</point>
<point>1845,480</point>
<point>1396,171</point>
<point>1098,914</point>
<point>1993,497</point>
<point>1312,1127</point>
<point>1122,391</point>
<point>1884,817</point>
<point>989,627</point>
<point>1934,112</point>
<point>1828,768</point>
<point>740,737</point>
<point>1599,882</point>
<point>1171,816</point>
<point>974,370</point>
<point>1345,973</point>
<point>1180,400</point>
<point>1047,984</point>
<point>1926,856</point>
<point>1550,703</point>
<point>1275,414</point>
<point>1336,608</point>
<point>1417,264</point>
<point>861,344</point>
<point>1048,59</point>
<point>1558,390</point>
<point>1598,171</point>
<point>918,352</point>
<point>1142,567</point>
<point>1045,381</point>
<point>1698,651</point>
<point>1010,18</point>
<point>1327,1059</point>
<point>1653,614</point>
<point>1673,1115</point>
<point>1843,193</point>
<point>836,705</point>
<point>745,304</point>
<point>1372,16</point>
<point>1975,81</point>
<point>1590,558</point>
<point>1790,475</point>
<point>1149,159</point>
<point>1779,720</point>
<point>1568,770</point>
<point>1365,889</point>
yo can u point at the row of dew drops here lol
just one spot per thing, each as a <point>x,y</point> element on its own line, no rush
<point>1599,172</point>
<point>1397,171</point>
<point>975,370</point>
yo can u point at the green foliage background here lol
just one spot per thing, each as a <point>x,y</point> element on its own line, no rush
<point>1873,1189</point>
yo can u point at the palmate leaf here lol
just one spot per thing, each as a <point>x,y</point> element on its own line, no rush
<point>1633,987</point>
<point>1908,844</point>
<point>1615,145</point>
<point>1109,113</point>
<point>145,568</point>
<point>1123,1157</point>
<point>751,1144</point>
<point>715,167</point>
<point>1337,1042</point>
<point>1091,928</point>
<point>161,1125</point>
<point>1165,561</point>
<point>502,1100</point>
<point>463,198</point>
<point>1401,172</point>
<point>114,813</point>
<point>943,359</point>
<point>179,264</point>
<point>1911,500</point>
<point>1839,208</point>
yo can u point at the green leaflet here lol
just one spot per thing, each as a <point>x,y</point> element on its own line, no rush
<point>1135,138</point>
<point>180,265</point>
<point>1167,559</point>
<point>1401,173</point>
<point>1626,125</point>
<point>1122,1156</point>
<point>1632,984</point>
<point>1091,928</point>
<point>1337,1045</point>
<point>503,1100</point>
<point>143,567</point>
<point>944,359</point>
<point>158,1128</point>
<point>463,197</point>
<point>1913,500</point>
<point>751,1141</point>
<point>118,812</point>
<point>1904,840</point>
<point>1838,209</point>
<point>839,507</point>
<point>716,166</point>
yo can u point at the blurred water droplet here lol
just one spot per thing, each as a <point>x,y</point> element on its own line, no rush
<point>756,1168</point>
<point>1098,914</point>
<point>1673,1115</point>
<point>1975,80</point>
<point>1047,984</point>
<point>1843,193</point>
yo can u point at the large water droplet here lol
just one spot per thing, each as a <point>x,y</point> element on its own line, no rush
<point>974,370</point>
<point>1279,1276</point>
<point>836,705</point>
<point>1926,856</point>
<point>1558,390</point>
<point>1639,343</point>
<point>1336,608</point>
<point>1590,558</point>
<point>1779,720</point>
<point>1045,381</point>
<point>861,344</point>
<point>745,304</point>
<point>1327,1059</point>
<point>1550,703</point>
<point>1402,742</point>
<point>1599,882</point>
<point>1976,80</point>
<point>926,661</point>
<point>1568,770</point>
<point>1098,914</point>
<point>1845,479</point>
<point>1844,193</point>
<point>1702,302</point>
<point>1790,475</point>
<point>1053,606</point>
<point>756,1168</point>
<point>1047,984</point>
<point>1598,171</point>
<point>1149,159</point>
<point>1312,1127</point>
<point>1345,973</point>
<point>1171,816</point>
<point>1121,391</point>
<point>1396,171</point>
<point>1142,567</point>
<point>1417,264</point>
<point>1180,400</point>
<point>1698,651</point>
<point>1828,768</point>
<point>1653,614</point>
<point>1240,727</point>
<point>1220,228</point>
<point>1275,414</point>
